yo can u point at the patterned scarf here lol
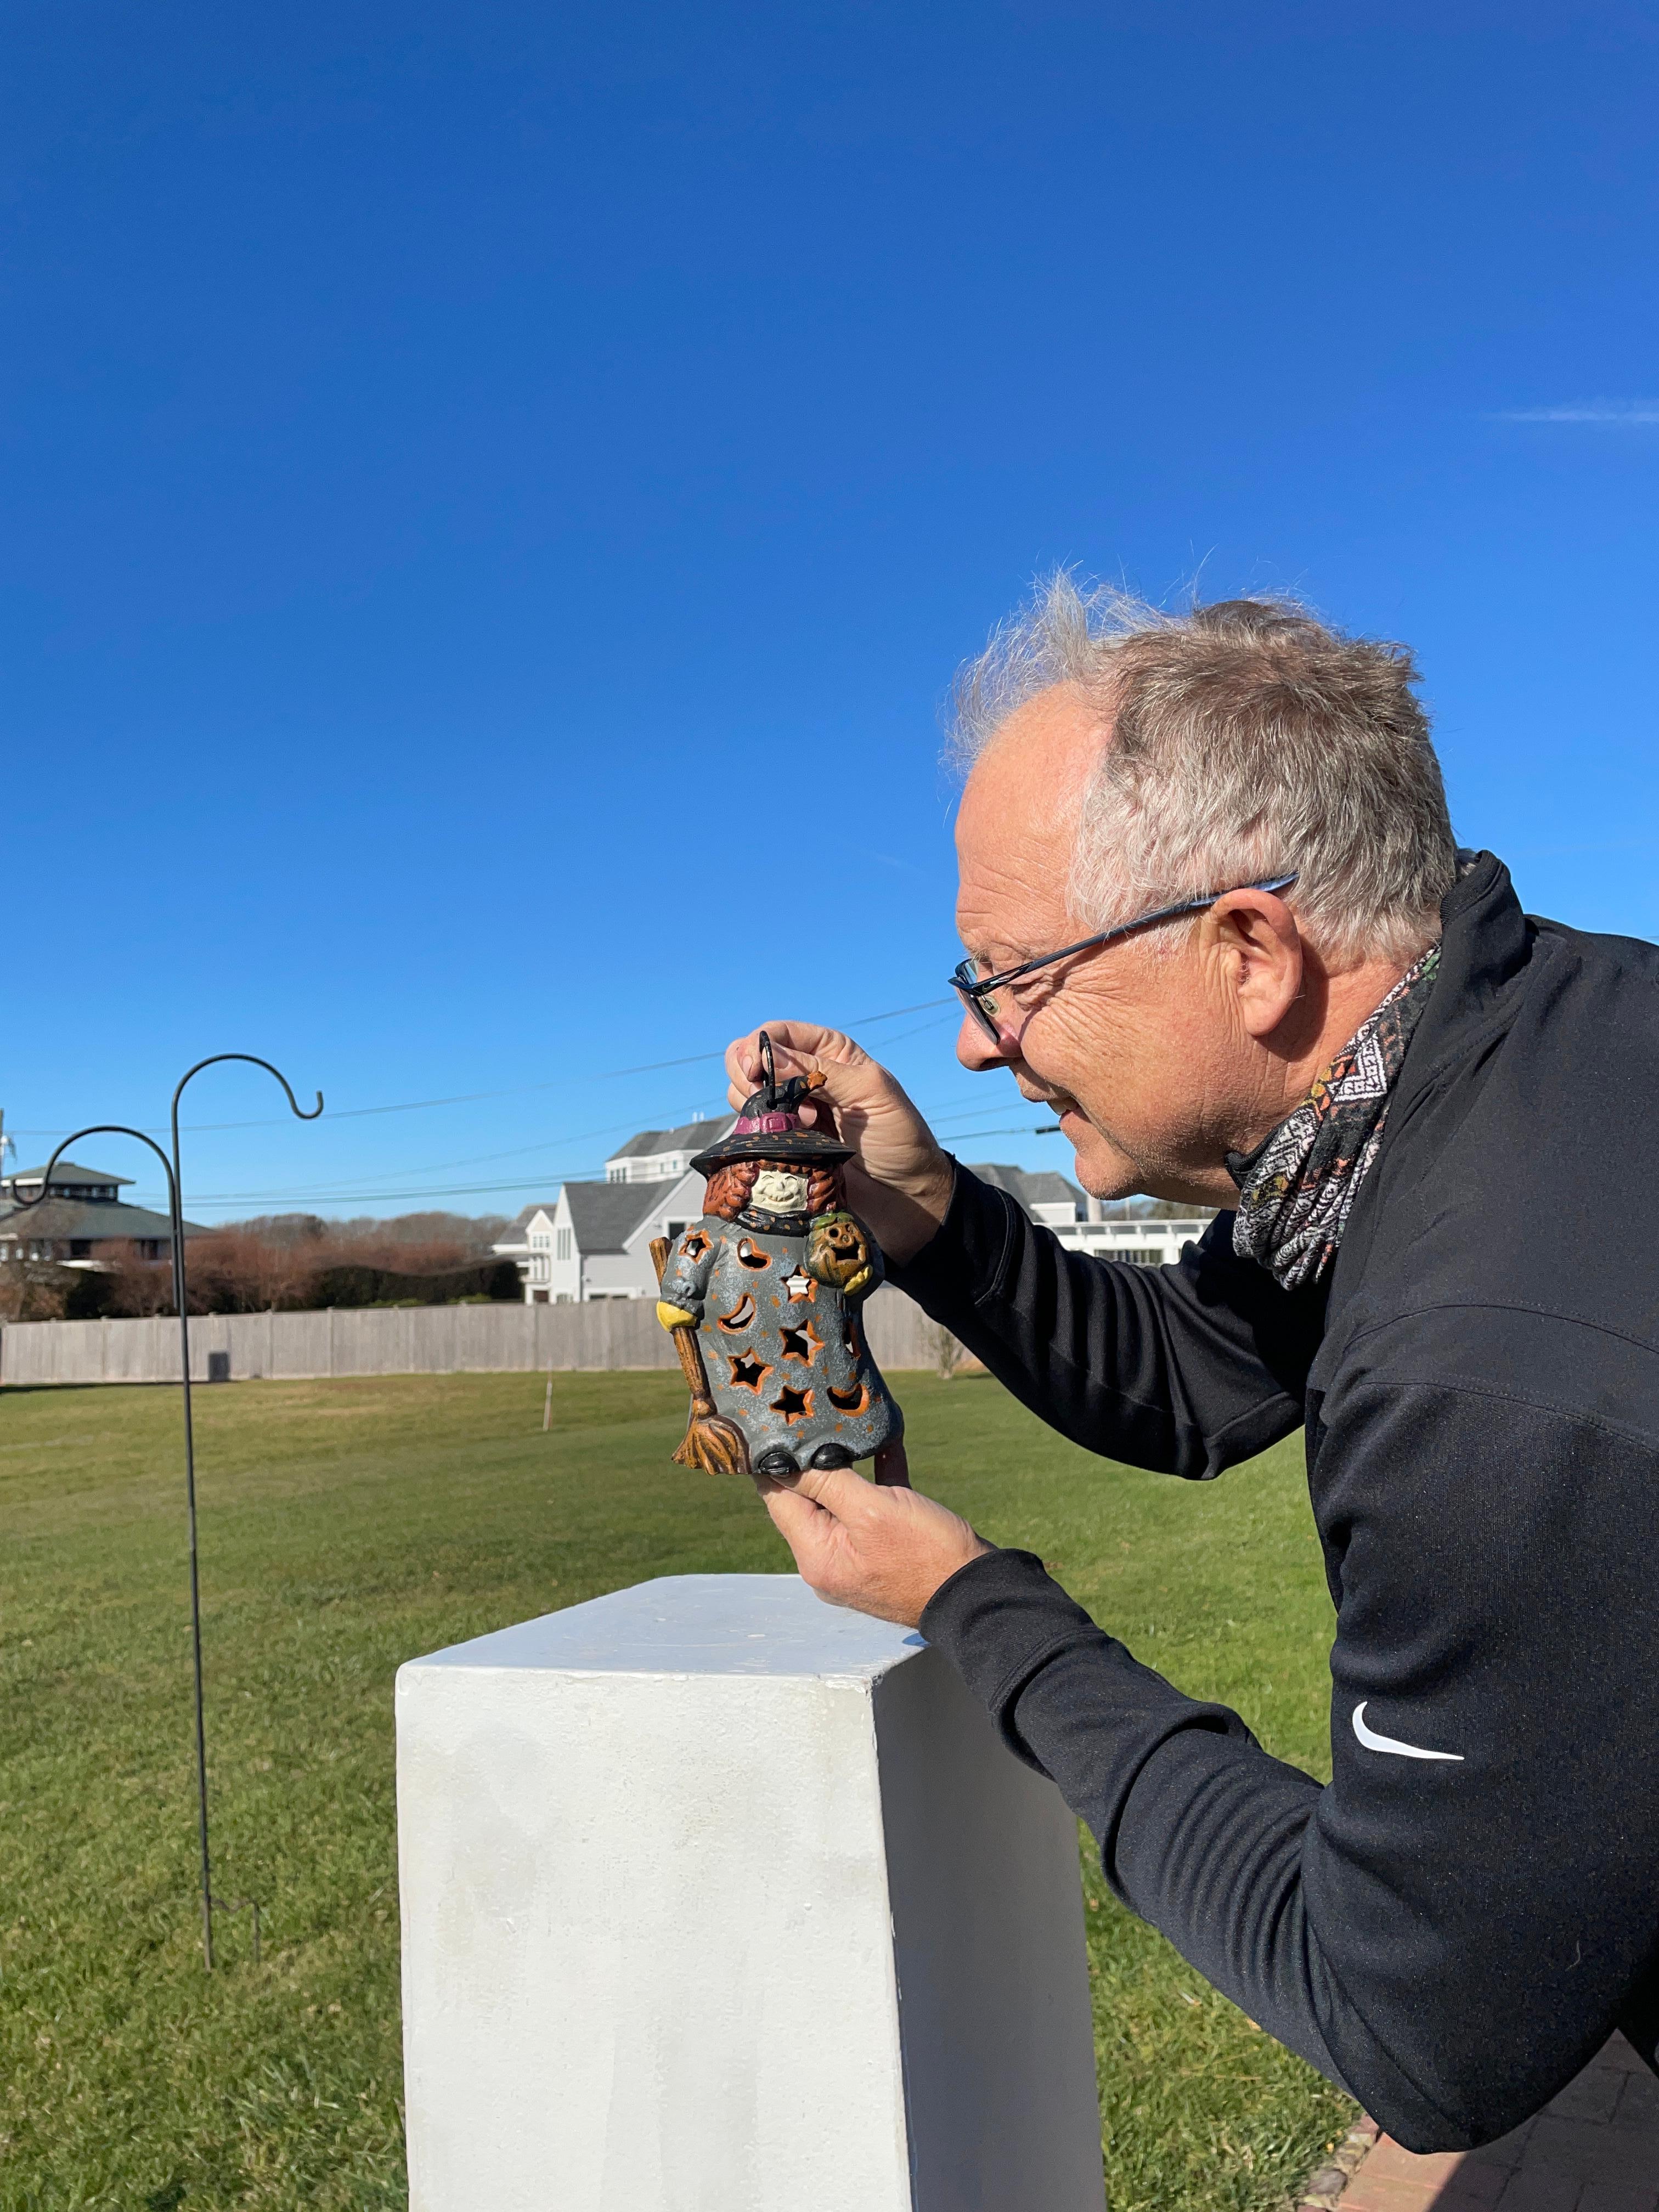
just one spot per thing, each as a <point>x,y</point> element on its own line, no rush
<point>1297,1189</point>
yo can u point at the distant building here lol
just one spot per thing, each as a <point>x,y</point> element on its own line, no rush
<point>593,1239</point>
<point>82,1222</point>
<point>658,1155</point>
<point>1084,1224</point>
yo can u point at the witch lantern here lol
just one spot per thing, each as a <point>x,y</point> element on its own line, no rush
<point>762,1297</point>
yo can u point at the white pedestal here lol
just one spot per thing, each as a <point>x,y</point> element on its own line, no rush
<point>717,1898</point>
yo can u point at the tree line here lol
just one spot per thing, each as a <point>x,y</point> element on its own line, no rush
<point>283,1262</point>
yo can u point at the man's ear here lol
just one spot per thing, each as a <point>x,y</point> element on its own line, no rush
<point>1253,936</point>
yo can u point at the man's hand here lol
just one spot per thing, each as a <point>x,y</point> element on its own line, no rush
<point>900,1182</point>
<point>875,1549</point>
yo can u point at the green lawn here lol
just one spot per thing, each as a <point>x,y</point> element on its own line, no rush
<point>349,1525</point>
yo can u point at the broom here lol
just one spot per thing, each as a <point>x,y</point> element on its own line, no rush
<point>711,1442</point>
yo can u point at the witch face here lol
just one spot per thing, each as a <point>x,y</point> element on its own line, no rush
<point>779,1190</point>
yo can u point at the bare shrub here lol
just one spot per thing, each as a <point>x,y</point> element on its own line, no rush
<point>948,1354</point>
<point>34,1290</point>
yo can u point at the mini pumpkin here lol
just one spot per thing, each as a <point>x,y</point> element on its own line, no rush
<point>838,1254</point>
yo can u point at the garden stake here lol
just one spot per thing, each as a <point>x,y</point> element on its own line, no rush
<point>172,1170</point>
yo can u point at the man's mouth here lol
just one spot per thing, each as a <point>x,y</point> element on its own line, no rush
<point>1058,1102</point>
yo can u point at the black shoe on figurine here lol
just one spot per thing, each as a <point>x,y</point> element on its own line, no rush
<point>776,1465</point>
<point>830,1456</point>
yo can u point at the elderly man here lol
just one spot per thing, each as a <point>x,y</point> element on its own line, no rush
<point>1216,921</point>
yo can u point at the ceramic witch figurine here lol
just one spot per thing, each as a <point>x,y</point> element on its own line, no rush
<point>763,1295</point>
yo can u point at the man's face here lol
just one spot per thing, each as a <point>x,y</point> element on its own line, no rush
<point>780,1190</point>
<point>1127,1043</point>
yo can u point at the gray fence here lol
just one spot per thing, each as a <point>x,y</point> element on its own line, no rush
<point>399,1341</point>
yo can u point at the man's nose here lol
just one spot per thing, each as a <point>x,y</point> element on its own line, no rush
<point>976,1050</point>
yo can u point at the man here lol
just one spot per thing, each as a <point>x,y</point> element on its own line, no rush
<point>1432,1119</point>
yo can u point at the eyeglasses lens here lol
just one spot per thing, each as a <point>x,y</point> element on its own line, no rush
<point>981,1013</point>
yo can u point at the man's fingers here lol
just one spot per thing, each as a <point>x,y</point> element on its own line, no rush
<point>798,1048</point>
<point>836,1490</point>
<point>804,1527</point>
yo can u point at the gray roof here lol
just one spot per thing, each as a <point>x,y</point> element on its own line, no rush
<point>690,1137</point>
<point>526,1214</point>
<point>1029,1187</point>
<point>605,1214</point>
<point>66,1171</point>
<point>74,1218</point>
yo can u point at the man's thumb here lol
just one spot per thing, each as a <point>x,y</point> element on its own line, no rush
<point>836,1489</point>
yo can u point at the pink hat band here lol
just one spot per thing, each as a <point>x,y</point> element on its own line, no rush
<point>766,1124</point>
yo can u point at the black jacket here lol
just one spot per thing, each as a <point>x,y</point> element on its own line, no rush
<point>1450,1937</point>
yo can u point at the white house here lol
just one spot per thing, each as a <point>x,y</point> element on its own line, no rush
<point>593,1240</point>
<point>1110,1231</point>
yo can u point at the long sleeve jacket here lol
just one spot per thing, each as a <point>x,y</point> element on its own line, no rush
<point>1454,1924</point>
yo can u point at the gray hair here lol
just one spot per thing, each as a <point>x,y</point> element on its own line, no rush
<point>1247,739</point>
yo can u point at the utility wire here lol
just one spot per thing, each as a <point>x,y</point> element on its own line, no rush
<point>514,1090</point>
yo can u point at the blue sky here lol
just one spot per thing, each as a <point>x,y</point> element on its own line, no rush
<point>494,498</point>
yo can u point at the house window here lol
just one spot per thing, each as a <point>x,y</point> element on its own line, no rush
<point>671,1230</point>
<point>616,1175</point>
<point>562,1247</point>
<point>80,1248</point>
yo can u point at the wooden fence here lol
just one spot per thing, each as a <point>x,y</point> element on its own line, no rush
<point>400,1340</point>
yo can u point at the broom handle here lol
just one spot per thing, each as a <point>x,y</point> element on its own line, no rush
<point>685,1342</point>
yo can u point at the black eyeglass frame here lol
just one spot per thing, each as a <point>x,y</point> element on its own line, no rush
<point>968,987</point>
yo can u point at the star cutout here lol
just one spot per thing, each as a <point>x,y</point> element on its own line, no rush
<point>749,1257</point>
<point>798,1286</point>
<point>694,1246</point>
<point>793,1405</point>
<point>802,1343</point>
<point>748,1373</point>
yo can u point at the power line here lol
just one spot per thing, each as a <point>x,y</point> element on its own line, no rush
<point>350,1190</point>
<point>503,1189</point>
<point>513,1090</point>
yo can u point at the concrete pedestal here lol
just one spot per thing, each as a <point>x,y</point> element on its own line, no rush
<point>717,1898</point>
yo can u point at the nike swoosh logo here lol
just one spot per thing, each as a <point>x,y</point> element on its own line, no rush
<point>1372,1741</point>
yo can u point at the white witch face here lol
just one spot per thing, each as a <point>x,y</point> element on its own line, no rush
<point>779,1190</point>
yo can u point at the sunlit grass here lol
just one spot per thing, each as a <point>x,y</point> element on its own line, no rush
<point>349,1525</point>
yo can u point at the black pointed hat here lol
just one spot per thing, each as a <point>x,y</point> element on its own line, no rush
<point>770,1127</point>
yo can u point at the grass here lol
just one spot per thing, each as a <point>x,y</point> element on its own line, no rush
<point>349,1525</point>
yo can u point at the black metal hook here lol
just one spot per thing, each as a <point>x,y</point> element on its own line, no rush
<point>103,1129</point>
<point>176,1181</point>
<point>253,1060</point>
<point>174,1172</point>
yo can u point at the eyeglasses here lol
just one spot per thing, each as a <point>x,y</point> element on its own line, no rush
<point>975,992</point>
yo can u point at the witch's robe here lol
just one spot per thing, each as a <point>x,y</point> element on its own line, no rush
<point>784,1346</point>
